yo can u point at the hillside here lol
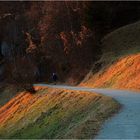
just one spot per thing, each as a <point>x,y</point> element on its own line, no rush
<point>93,44</point>
<point>34,42</point>
<point>120,62</point>
<point>55,113</point>
<point>7,92</point>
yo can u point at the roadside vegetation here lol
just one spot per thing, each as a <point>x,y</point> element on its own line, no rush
<point>7,92</point>
<point>55,113</point>
<point>120,62</point>
<point>36,43</point>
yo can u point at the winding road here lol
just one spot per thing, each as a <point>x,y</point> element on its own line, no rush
<point>125,124</point>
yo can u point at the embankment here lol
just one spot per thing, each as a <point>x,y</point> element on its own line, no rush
<point>55,113</point>
<point>120,62</point>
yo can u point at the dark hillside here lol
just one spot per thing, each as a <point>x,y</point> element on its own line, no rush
<point>39,38</point>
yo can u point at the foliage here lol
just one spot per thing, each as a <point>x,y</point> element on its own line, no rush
<point>53,113</point>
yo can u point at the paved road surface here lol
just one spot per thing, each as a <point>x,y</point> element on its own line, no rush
<point>124,125</point>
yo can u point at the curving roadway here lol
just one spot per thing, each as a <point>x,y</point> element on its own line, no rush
<point>125,124</point>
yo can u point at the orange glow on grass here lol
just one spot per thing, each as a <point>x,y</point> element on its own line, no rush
<point>125,73</point>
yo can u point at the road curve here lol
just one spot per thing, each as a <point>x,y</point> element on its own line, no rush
<point>124,125</point>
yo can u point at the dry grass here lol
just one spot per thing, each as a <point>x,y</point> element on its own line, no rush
<point>55,113</point>
<point>123,74</point>
<point>123,41</point>
<point>7,93</point>
<point>120,60</point>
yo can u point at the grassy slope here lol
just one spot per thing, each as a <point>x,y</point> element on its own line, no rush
<point>55,113</point>
<point>120,60</point>
<point>7,93</point>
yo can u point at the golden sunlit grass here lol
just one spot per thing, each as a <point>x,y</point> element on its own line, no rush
<point>55,113</point>
<point>125,73</point>
<point>120,60</point>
